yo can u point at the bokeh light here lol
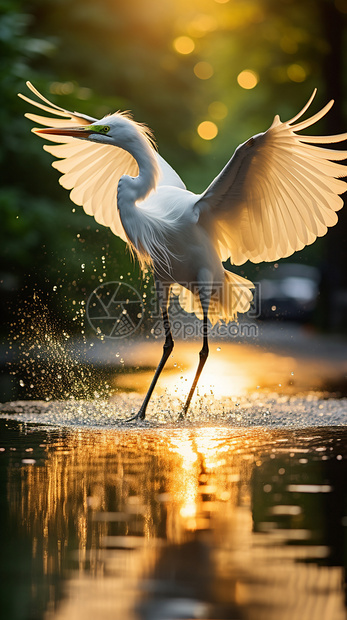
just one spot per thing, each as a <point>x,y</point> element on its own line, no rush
<point>247,79</point>
<point>296,73</point>
<point>217,110</point>
<point>61,88</point>
<point>203,70</point>
<point>202,24</point>
<point>184,45</point>
<point>207,130</point>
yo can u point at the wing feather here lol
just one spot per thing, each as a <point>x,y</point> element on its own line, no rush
<point>45,108</point>
<point>323,139</point>
<point>66,150</point>
<point>310,186</point>
<point>78,161</point>
<point>290,217</point>
<point>55,122</point>
<point>91,171</point>
<point>40,96</point>
<point>291,195</point>
<point>276,223</point>
<point>281,241</point>
<point>301,187</point>
<point>316,151</point>
<point>85,175</point>
<point>278,193</point>
<point>266,218</point>
<point>82,119</point>
<point>313,119</point>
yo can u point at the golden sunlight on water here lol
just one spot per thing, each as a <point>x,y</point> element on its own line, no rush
<point>231,370</point>
<point>183,523</point>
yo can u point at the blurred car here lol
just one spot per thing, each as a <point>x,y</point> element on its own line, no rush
<point>289,291</point>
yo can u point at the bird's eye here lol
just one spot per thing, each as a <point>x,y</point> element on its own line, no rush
<point>105,129</point>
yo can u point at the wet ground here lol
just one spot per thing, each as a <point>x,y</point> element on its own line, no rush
<point>238,512</point>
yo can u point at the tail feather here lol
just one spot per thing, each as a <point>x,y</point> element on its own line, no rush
<point>236,297</point>
<point>232,297</point>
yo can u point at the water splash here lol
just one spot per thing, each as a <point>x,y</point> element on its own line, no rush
<point>43,360</point>
<point>268,411</point>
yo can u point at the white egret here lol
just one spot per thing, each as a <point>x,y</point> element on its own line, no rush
<point>277,194</point>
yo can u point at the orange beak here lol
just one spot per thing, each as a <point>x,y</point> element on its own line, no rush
<point>73,132</point>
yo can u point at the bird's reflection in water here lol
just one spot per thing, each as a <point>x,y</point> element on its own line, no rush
<point>184,523</point>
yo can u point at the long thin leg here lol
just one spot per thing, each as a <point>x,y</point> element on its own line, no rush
<point>205,292</point>
<point>167,349</point>
<point>203,355</point>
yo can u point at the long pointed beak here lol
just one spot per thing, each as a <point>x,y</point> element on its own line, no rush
<point>74,132</point>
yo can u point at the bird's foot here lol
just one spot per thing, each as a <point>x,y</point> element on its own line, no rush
<point>182,414</point>
<point>140,415</point>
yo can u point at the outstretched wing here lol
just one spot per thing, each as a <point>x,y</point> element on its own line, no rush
<point>91,171</point>
<point>278,193</point>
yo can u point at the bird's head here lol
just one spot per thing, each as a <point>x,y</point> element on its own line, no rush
<point>117,129</point>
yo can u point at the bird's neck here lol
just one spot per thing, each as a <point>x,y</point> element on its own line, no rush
<point>134,189</point>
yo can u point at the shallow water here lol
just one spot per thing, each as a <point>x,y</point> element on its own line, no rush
<point>240,513</point>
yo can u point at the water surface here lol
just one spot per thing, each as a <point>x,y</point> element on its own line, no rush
<point>205,520</point>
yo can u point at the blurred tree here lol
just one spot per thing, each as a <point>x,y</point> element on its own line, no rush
<point>186,67</point>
